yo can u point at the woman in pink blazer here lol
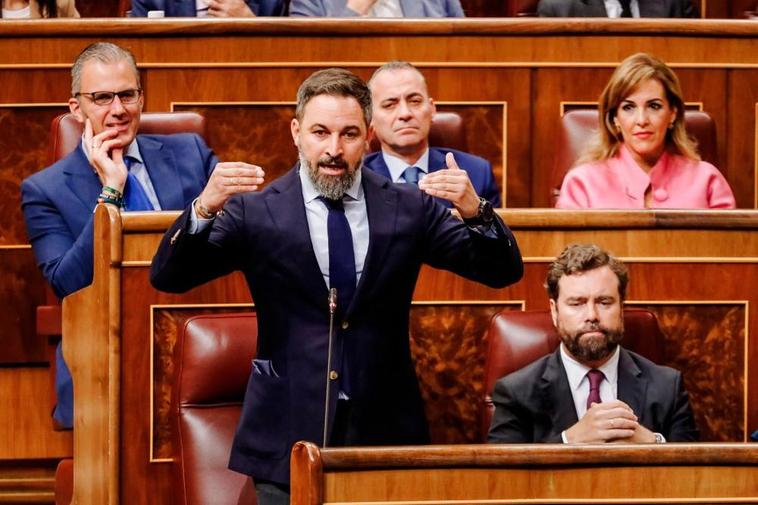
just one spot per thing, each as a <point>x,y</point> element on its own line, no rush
<point>642,156</point>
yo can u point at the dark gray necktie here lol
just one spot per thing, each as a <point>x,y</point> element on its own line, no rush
<point>626,8</point>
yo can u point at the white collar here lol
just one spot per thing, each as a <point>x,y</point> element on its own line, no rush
<point>397,166</point>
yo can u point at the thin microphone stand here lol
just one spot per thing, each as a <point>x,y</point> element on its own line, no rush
<point>332,310</point>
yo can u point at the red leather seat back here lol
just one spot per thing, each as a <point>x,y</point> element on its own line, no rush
<point>579,126</point>
<point>516,339</point>
<point>213,363</point>
<point>522,7</point>
<point>66,131</point>
<point>447,130</point>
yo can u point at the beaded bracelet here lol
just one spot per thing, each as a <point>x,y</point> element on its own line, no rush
<point>103,198</point>
<point>112,192</point>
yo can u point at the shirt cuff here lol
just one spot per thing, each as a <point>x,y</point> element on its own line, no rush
<point>197,224</point>
<point>563,437</point>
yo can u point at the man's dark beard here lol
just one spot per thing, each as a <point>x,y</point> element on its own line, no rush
<point>592,349</point>
<point>330,186</point>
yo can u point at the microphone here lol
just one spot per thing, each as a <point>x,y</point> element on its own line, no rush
<point>332,311</point>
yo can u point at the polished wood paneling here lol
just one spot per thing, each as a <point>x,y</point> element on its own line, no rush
<point>26,430</point>
<point>531,64</point>
<point>706,291</point>
<point>22,288</point>
<point>23,151</point>
<point>672,473</point>
<point>27,482</point>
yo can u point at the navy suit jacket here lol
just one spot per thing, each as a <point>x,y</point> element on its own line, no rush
<point>411,8</point>
<point>479,171</point>
<point>596,8</point>
<point>535,404</point>
<point>186,8</point>
<point>266,236</point>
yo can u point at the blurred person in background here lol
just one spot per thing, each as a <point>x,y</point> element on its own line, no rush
<point>38,9</point>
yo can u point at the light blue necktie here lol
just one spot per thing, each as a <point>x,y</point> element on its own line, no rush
<point>135,197</point>
<point>411,175</point>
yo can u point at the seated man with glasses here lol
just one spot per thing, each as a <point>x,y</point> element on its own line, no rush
<point>112,165</point>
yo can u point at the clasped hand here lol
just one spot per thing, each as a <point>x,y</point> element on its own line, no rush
<point>612,421</point>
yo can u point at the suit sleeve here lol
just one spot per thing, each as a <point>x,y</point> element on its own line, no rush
<point>320,8</point>
<point>184,260</point>
<point>454,9</point>
<point>574,192</point>
<point>140,8</point>
<point>720,195</point>
<point>491,258</point>
<point>689,10</point>
<point>546,8</point>
<point>65,259</point>
<point>511,421</point>
<point>681,426</point>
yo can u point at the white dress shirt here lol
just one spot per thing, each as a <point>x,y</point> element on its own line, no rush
<point>397,166</point>
<point>316,213</point>
<point>386,9</point>
<point>614,9</point>
<point>580,384</point>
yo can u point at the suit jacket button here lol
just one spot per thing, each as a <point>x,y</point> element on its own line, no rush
<point>333,375</point>
<point>345,325</point>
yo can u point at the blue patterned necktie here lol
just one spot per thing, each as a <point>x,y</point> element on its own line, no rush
<point>411,175</point>
<point>135,197</point>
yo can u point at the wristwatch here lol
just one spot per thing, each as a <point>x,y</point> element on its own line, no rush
<point>484,216</point>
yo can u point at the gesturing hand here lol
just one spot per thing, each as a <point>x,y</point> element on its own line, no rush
<point>452,184</point>
<point>227,180</point>
<point>106,156</point>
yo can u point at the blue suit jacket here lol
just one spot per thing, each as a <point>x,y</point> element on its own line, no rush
<point>58,204</point>
<point>186,8</point>
<point>535,404</point>
<point>411,8</point>
<point>479,171</point>
<point>265,235</point>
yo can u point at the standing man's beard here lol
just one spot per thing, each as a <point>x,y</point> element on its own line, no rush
<point>330,186</point>
<point>594,349</point>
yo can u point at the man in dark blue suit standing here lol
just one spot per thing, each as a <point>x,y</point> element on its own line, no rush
<point>165,172</point>
<point>402,117</point>
<point>210,8</point>
<point>327,224</point>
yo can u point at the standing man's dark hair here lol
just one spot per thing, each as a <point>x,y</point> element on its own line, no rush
<point>336,82</point>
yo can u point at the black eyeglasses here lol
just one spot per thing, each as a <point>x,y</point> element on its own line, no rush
<point>106,97</point>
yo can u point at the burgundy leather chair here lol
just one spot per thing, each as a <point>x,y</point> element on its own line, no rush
<point>447,130</point>
<point>578,126</point>
<point>212,359</point>
<point>64,482</point>
<point>516,339</point>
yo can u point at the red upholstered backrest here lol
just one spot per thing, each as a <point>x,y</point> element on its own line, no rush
<point>516,339</point>
<point>522,7</point>
<point>447,130</point>
<point>213,358</point>
<point>579,126</point>
<point>66,131</point>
